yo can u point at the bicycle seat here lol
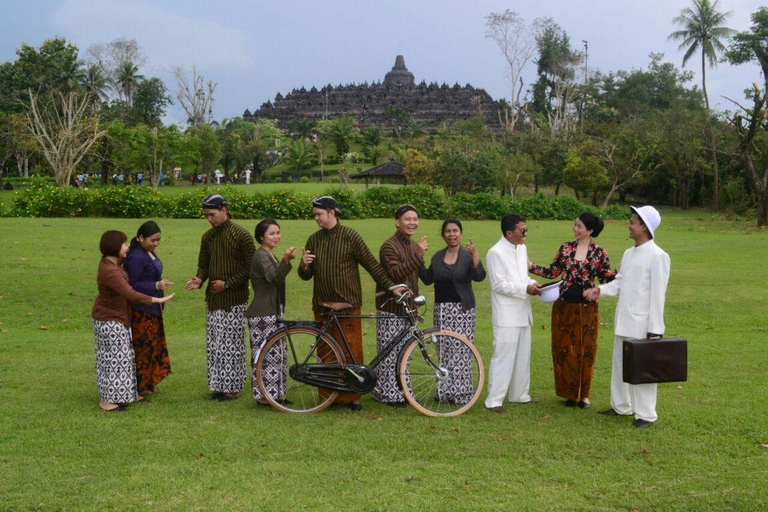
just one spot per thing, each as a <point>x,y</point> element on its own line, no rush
<point>336,306</point>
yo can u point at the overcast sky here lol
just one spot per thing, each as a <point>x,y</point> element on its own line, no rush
<point>257,48</point>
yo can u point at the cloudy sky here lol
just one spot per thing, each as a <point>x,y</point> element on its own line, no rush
<point>257,48</point>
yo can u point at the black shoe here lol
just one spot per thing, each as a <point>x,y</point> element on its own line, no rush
<point>399,405</point>
<point>570,403</point>
<point>585,405</point>
<point>531,401</point>
<point>609,412</point>
<point>119,408</point>
<point>643,423</point>
<point>226,398</point>
<point>355,407</point>
<point>214,396</point>
<point>284,401</point>
<point>498,409</point>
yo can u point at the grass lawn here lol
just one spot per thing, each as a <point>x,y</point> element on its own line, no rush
<point>58,451</point>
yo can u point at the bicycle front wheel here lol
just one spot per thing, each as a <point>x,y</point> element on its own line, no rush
<point>285,356</point>
<point>441,373</point>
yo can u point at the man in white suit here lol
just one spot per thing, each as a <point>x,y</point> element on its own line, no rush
<point>641,285</point>
<point>510,368</point>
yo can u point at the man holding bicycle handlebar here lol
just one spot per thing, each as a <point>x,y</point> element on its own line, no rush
<point>332,256</point>
<point>401,258</point>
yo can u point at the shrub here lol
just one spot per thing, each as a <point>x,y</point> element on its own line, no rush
<point>43,199</point>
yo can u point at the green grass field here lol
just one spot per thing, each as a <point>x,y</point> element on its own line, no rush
<point>58,451</point>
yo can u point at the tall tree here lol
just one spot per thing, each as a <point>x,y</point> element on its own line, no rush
<point>515,40</point>
<point>127,81</point>
<point>752,123</point>
<point>65,130</point>
<point>195,96</point>
<point>703,25</point>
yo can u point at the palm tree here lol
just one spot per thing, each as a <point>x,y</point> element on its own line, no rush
<point>299,156</point>
<point>341,131</point>
<point>128,79</point>
<point>304,127</point>
<point>702,28</point>
<point>96,84</point>
<point>71,73</point>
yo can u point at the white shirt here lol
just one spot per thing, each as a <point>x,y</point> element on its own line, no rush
<point>641,285</point>
<point>508,275</point>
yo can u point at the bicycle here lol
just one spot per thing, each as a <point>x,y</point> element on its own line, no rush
<point>301,368</point>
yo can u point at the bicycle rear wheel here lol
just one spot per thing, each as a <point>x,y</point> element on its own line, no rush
<point>286,353</point>
<point>441,373</point>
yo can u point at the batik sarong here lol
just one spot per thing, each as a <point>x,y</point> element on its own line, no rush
<point>149,349</point>
<point>115,369</point>
<point>453,355</point>
<point>275,363</point>
<point>574,347</point>
<point>225,349</point>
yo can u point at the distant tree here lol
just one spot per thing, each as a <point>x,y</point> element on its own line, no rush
<point>341,132</point>
<point>419,168</point>
<point>516,41</point>
<point>96,84</point>
<point>751,122</point>
<point>584,171</point>
<point>150,102</point>
<point>515,170</point>
<point>702,28</point>
<point>71,73</point>
<point>304,127</point>
<point>111,56</point>
<point>65,130</point>
<point>299,156</point>
<point>461,167</point>
<point>127,81</point>
<point>195,95</point>
<point>398,120</point>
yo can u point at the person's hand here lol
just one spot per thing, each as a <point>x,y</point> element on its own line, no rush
<point>162,300</point>
<point>530,264</point>
<point>399,291</point>
<point>163,284</point>
<point>307,258</point>
<point>533,289</point>
<point>471,249</point>
<point>592,293</point>
<point>290,253</point>
<point>194,283</point>
<point>422,246</point>
<point>217,286</point>
<point>652,336</point>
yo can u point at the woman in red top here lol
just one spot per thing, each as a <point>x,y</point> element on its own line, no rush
<point>115,368</point>
<point>575,320</point>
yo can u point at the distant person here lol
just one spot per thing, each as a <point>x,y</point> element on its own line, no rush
<point>140,178</point>
<point>401,258</point>
<point>452,271</point>
<point>509,374</point>
<point>145,275</point>
<point>114,178</point>
<point>121,178</point>
<point>268,283</point>
<point>226,251</point>
<point>115,366</point>
<point>332,256</point>
<point>641,284</point>
<point>576,320</point>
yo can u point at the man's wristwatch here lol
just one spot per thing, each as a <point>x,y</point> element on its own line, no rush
<point>226,285</point>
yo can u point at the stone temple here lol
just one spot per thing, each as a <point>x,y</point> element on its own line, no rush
<point>432,106</point>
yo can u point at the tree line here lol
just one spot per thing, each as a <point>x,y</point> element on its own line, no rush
<point>646,133</point>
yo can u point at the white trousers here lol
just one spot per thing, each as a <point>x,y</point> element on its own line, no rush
<point>510,368</point>
<point>637,399</point>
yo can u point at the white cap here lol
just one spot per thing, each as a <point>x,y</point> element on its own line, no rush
<point>650,217</point>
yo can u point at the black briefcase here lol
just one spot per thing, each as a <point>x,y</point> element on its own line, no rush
<point>660,360</point>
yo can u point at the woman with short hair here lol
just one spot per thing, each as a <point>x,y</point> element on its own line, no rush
<point>268,282</point>
<point>575,320</point>
<point>111,314</point>
<point>145,275</point>
<point>452,270</point>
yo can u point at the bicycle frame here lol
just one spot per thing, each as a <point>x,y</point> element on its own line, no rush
<point>412,331</point>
